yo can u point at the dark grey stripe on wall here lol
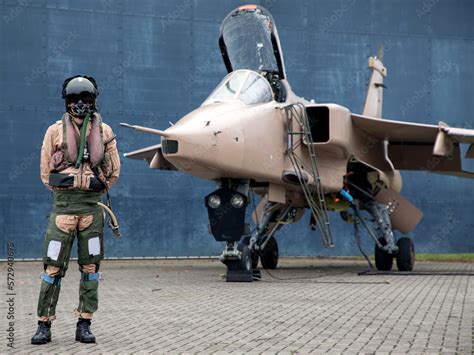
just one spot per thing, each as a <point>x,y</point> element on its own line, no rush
<point>155,61</point>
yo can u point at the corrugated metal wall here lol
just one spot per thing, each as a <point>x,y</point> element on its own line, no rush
<point>157,60</point>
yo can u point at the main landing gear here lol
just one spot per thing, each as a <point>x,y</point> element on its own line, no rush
<point>405,256</point>
<point>386,248</point>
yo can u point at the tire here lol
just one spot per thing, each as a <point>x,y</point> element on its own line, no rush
<point>406,254</point>
<point>383,260</point>
<point>255,257</point>
<point>269,255</point>
<point>244,263</point>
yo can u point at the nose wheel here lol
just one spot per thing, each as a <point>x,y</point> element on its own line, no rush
<point>239,259</point>
<point>255,259</point>
<point>243,262</point>
<point>254,254</point>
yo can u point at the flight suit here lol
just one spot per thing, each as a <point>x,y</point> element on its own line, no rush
<point>77,186</point>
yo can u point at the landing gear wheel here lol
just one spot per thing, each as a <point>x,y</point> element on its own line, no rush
<point>255,259</point>
<point>383,260</point>
<point>255,256</point>
<point>245,262</point>
<point>269,255</point>
<point>406,254</point>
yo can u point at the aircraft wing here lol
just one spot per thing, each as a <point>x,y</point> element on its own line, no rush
<point>153,156</point>
<point>415,146</point>
<point>144,154</point>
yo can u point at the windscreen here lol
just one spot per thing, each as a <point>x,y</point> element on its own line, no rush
<point>230,87</point>
<point>255,90</point>
<point>245,85</point>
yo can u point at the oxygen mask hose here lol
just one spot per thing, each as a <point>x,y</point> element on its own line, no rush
<point>112,223</point>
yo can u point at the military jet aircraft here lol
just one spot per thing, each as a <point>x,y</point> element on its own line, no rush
<point>253,135</point>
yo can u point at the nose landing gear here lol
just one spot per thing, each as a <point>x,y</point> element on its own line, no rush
<point>226,209</point>
<point>238,259</point>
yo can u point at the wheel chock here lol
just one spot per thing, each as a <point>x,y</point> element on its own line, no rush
<point>238,276</point>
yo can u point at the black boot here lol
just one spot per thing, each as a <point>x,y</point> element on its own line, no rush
<point>43,333</point>
<point>83,331</point>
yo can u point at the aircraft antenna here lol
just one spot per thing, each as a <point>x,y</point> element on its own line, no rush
<point>311,186</point>
<point>380,52</point>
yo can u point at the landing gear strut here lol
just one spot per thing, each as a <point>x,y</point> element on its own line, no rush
<point>383,226</point>
<point>263,242</point>
<point>386,249</point>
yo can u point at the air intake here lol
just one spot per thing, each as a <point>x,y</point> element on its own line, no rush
<point>169,146</point>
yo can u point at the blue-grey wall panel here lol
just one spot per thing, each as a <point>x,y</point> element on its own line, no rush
<point>157,60</point>
<point>206,70</point>
<point>23,60</point>
<point>332,63</point>
<point>450,18</point>
<point>155,70</point>
<point>452,96</point>
<point>339,16</point>
<point>401,17</point>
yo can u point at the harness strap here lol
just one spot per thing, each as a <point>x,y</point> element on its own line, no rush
<point>80,156</point>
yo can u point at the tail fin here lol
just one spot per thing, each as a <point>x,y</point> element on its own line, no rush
<point>374,99</point>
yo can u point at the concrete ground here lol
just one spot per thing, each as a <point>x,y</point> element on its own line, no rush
<point>307,305</point>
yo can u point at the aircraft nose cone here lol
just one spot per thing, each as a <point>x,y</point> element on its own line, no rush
<point>189,148</point>
<point>208,142</point>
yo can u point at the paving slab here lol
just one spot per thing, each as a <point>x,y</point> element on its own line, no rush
<point>308,305</point>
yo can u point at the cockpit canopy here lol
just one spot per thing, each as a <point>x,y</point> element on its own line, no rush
<point>245,85</point>
<point>249,40</point>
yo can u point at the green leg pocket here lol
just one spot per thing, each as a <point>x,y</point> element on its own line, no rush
<point>91,242</point>
<point>88,296</point>
<point>57,245</point>
<point>48,299</point>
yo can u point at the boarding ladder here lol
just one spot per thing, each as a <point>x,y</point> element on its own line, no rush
<point>312,187</point>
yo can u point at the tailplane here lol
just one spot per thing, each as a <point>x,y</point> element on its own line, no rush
<point>374,99</point>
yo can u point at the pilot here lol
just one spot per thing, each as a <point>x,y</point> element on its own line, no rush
<point>79,162</point>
